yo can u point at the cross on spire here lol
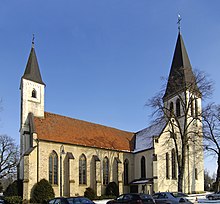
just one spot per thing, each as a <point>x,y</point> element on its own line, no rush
<point>33,38</point>
<point>178,22</point>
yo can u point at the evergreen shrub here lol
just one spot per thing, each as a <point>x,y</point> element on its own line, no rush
<point>90,193</point>
<point>112,189</point>
<point>12,189</point>
<point>42,192</point>
<point>13,199</point>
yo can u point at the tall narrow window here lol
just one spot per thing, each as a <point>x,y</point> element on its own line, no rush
<point>105,171</point>
<point>173,164</point>
<point>171,108</point>
<point>82,169</point>
<point>116,173</point>
<point>196,174</point>
<point>53,168</point>
<point>167,166</point>
<point>143,167</point>
<point>178,107</point>
<point>196,108</point>
<point>126,172</point>
<point>34,94</point>
<point>192,107</point>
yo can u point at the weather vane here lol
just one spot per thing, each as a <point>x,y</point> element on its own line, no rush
<point>178,22</point>
<point>33,40</point>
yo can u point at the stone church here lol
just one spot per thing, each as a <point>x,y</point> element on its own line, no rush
<point>74,154</point>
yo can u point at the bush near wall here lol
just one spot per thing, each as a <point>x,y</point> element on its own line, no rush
<point>112,189</point>
<point>42,192</point>
<point>14,189</point>
<point>13,199</point>
<point>90,193</point>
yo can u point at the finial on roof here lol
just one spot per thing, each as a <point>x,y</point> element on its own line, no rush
<point>178,22</point>
<point>33,41</point>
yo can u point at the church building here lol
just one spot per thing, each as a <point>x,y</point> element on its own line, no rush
<point>74,154</point>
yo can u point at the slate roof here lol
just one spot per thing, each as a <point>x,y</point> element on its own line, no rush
<point>144,138</point>
<point>32,71</point>
<point>181,74</point>
<point>57,128</point>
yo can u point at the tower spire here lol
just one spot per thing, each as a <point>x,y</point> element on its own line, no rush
<point>181,75</point>
<point>32,71</point>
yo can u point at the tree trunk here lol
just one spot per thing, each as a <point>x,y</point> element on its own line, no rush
<point>180,179</point>
<point>181,169</point>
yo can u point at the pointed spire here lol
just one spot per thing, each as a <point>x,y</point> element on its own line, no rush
<point>181,75</point>
<point>32,71</point>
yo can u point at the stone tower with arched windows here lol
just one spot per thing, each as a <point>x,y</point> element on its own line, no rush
<point>32,102</point>
<point>182,108</point>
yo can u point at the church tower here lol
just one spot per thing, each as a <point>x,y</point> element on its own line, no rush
<point>32,99</point>
<point>181,84</point>
<point>182,108</point>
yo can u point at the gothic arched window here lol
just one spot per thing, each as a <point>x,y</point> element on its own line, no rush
<point>105,171</point>
<point>192,107</point>
<point>126,163</point>
<point>173,164</point>
<point>82,169</point>
<point>34,94</point>
<point>143,167</point>
<point>167,166</point>
<point>196,108</point>
<point>178,107</point>
<point>171,108</point>
<point>53,168</point>
<point>196,173</point>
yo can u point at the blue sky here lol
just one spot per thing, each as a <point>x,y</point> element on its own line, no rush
<point>102,60</point>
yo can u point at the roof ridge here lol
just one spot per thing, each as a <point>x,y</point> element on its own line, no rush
<point>88,122</point>
<point>57,128</point>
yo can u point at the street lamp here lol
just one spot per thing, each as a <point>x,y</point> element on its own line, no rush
<point>61,182</point>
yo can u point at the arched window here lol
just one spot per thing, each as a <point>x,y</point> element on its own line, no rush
<point>105,171</point>
<point>178,107</point>
<point>126,171</point>
<point>53,168</point>
<point>34,94</point>
<point>173,164</point>
<point>196,108</point>
<point>167,166</point>
<point>196,173</point>
<point>143,167</point>
<point>192,107</point>
<point>171,108</point>
<point>82,169</point>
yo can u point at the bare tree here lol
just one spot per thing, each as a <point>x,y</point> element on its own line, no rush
<point>182,121</point>
<point>211,134</point>
<point>8,156</point>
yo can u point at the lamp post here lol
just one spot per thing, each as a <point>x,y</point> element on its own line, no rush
<point>61,181</point>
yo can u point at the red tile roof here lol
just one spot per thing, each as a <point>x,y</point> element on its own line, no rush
<point>63,129</point>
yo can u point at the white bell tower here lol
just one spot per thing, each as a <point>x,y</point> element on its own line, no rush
<point>32,103</point>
